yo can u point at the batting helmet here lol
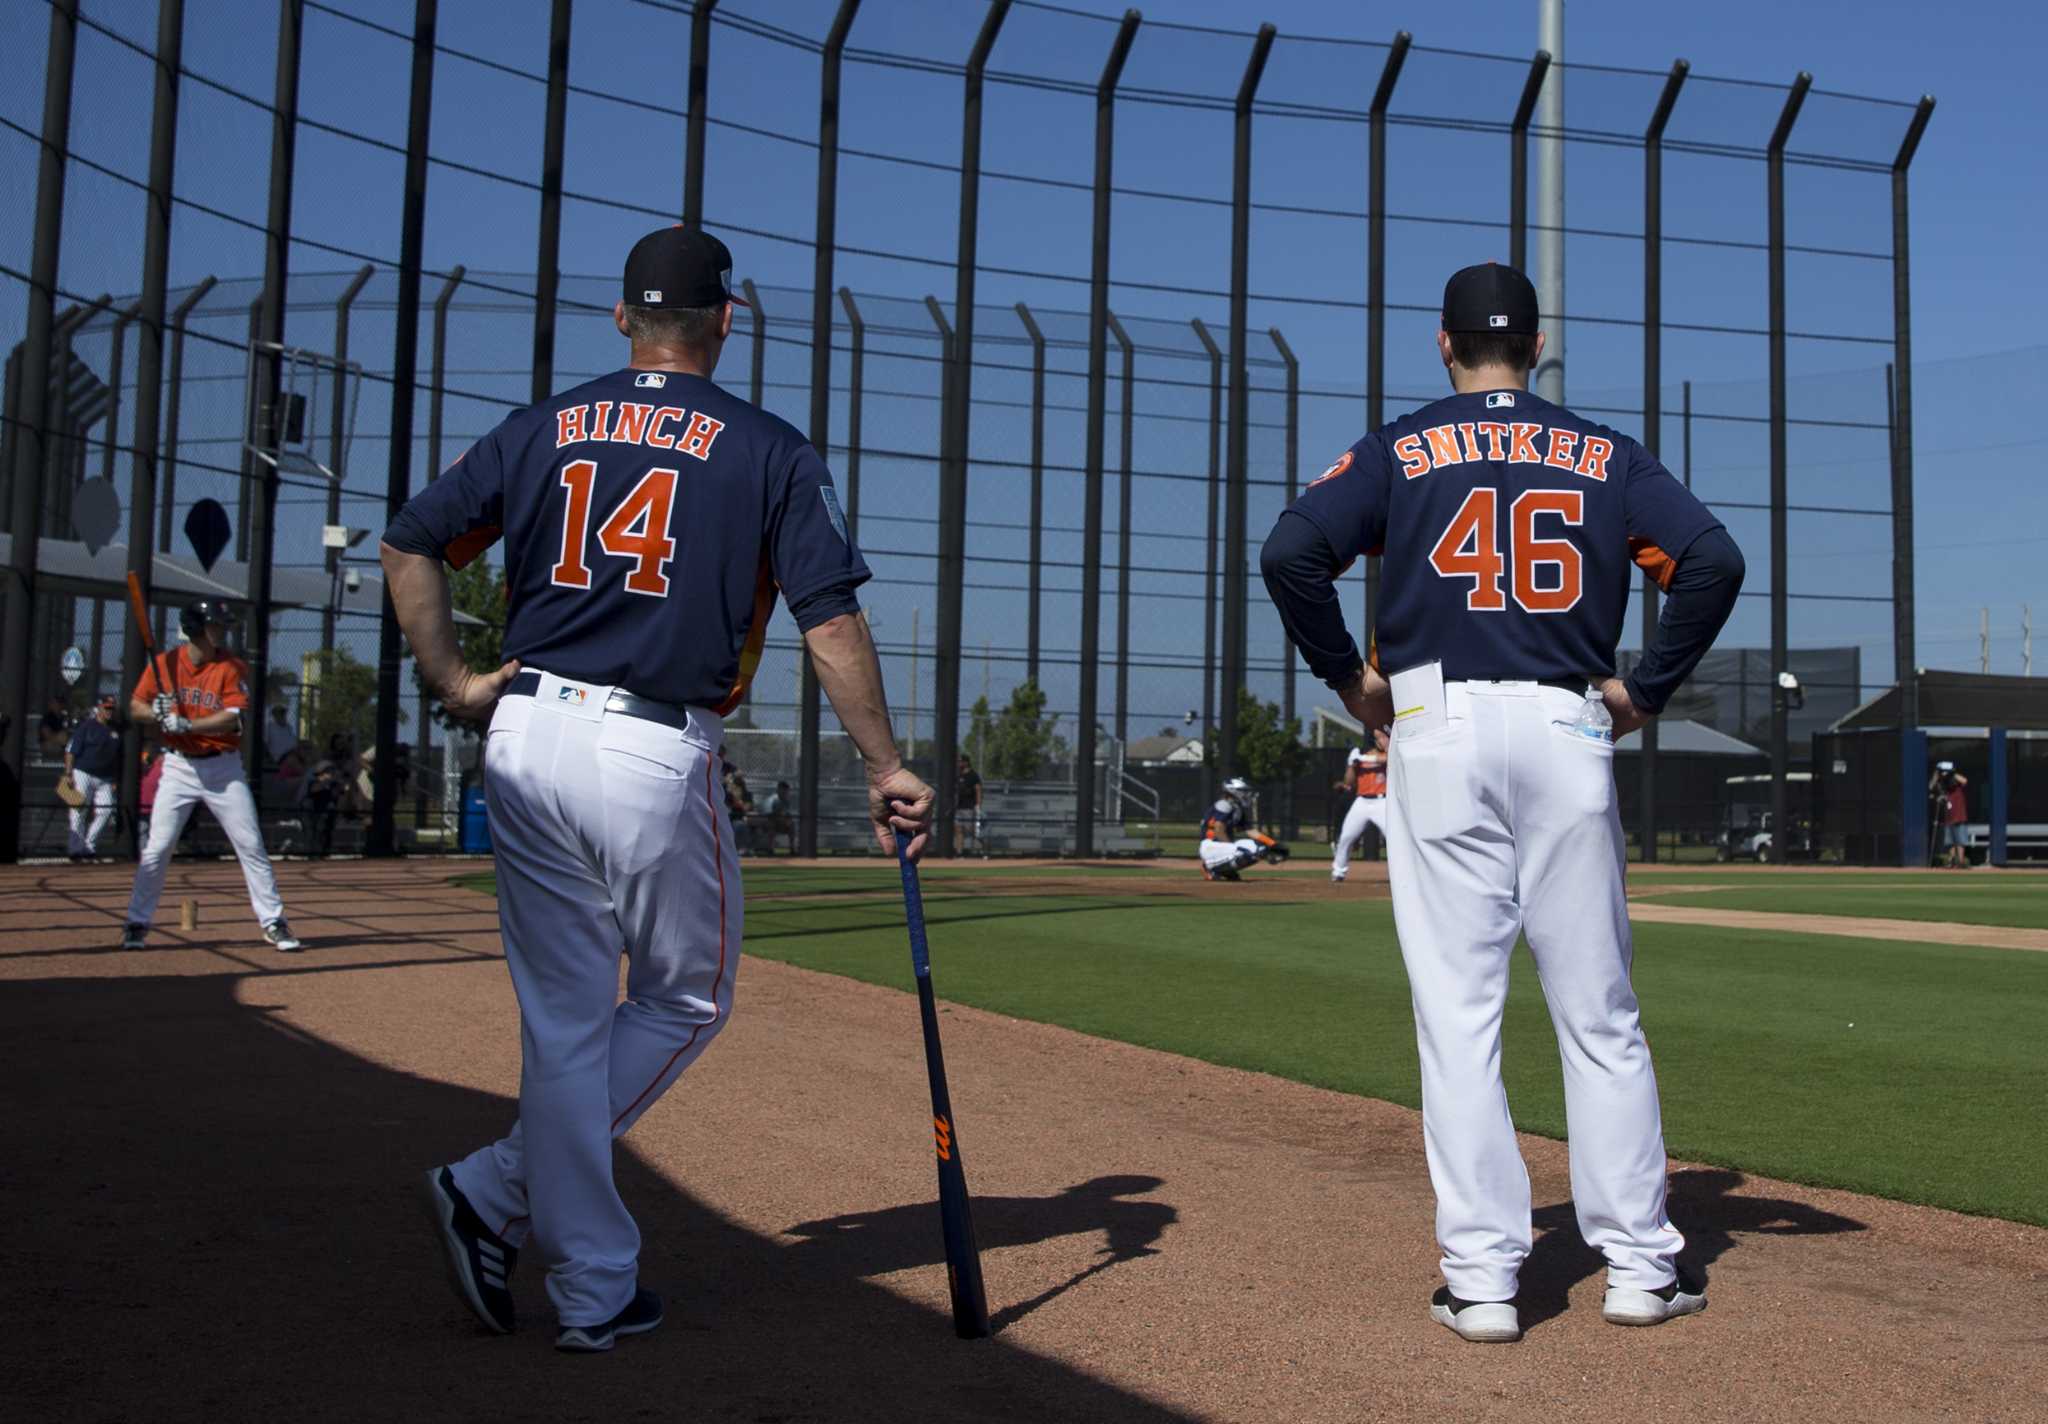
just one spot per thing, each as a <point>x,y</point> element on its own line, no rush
<point>1237,788</point>
<point>194,617</point>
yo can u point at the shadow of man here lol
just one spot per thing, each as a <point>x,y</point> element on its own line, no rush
<point>1703,1205</point>
<point>874,1243</point>
<point>217,1221</point>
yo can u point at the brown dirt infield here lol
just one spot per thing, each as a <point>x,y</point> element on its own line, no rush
<point>212,1149</point>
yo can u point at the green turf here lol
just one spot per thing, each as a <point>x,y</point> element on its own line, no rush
<point>2021,902</point>
<point>1937,1094</point>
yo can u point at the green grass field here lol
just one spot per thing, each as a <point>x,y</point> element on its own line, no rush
<point>1905,1070</point>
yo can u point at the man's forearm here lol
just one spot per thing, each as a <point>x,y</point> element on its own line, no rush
<point>426,613</point>
<point>843,655</point>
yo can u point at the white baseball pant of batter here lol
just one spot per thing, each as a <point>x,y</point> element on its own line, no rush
<point>89,820</point>
<point>216,780</point>
<point>611,837</point>
<point>1365,811</point>
<point>1504,822</point>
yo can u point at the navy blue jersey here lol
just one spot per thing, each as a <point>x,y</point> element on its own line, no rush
<point>1510,529</point>
<point>649,518</point>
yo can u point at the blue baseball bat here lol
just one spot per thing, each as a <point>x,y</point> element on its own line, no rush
<point>963,1257</point>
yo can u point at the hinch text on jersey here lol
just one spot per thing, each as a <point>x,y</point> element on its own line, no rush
<point>631,423</point>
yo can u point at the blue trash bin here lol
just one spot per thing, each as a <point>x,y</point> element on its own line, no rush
<point>476,825</point>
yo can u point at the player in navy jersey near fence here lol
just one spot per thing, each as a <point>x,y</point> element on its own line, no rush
<point>1511,530</point>
<point>649,522</point>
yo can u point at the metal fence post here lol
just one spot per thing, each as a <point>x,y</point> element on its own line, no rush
<point>1123,543</point>
<point>857,360</point>
<point>252,413</point>
<point>149,367</point>
<point>1781,829</point>
<point>1289,658</point>
<point>437,377</point>
<point>1236,570</point>
<point>1653,402</point>
<point>405,354</point>
<point>32,436</point>
<point>1098,376</point>
<point>547,265</point>
<point>1209,583</point>
<point>1904,658</point>
<point>953,434</point>
<point>693,136</point>
<point>277,240</point>
<point>757,375</point>
<point>1518,163</point>
<point>1376,283</point>
<point>810,712</point>
<point>174,403</point>
<point>1037,535</point>
<point>337,435</point>
<point>117,340</point>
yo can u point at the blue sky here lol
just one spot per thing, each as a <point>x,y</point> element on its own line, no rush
<point>1977,219</point>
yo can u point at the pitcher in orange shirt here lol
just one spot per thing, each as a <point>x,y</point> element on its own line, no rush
<point>1365,776</point>
<point>197,696</point>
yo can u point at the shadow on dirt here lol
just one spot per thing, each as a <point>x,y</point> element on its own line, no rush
<point>874,1243</point>
<point>216,1220</point>
<point>1703,1206</point>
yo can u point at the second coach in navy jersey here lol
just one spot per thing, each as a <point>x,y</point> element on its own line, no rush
<point>649,522</point>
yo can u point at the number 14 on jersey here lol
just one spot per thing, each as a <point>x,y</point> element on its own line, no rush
<point>636,529</point>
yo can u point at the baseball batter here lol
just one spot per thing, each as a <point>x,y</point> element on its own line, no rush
<point>1365,776</point>
<point>1230,842</point>
<point>1511,529</point>
<point>197,696</point>
<point>649,519</point>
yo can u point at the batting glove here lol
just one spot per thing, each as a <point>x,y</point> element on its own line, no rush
<point>174,724</point>
<point>163,704</point>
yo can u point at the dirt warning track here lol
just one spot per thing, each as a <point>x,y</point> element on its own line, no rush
<point>213,1148</point>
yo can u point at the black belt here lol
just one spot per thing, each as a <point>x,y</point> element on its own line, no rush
<point>526,684</point>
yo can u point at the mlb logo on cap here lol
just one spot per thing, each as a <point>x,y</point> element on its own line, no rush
<point>1497,322</point>
<point>652,294</point>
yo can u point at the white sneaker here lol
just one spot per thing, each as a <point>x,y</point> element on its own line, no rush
<point>1685,1296</point>
<point>1483,1322</point>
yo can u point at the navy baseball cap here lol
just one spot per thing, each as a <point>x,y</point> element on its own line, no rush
<point>1490,297</point>
<point>679,267</point>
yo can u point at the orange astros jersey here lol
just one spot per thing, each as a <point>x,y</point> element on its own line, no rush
<point>202,689</point>
<point>1372,778</point>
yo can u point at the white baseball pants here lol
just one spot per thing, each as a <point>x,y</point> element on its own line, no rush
<point>89,820</point>
<point>1365,811</point>
<point>1218,853</point>
<point>216,780</point>
<point>611,837</point>
<point>1504,823</point>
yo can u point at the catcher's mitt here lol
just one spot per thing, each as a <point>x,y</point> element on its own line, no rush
<point>68,792</point>
<point>1277,853</point>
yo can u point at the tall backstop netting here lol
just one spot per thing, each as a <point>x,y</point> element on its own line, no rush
<point>1096,296</point>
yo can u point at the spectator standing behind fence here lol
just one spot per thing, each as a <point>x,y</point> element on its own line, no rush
<point>967,819</point>
<point>1951,812</point>
<point>778,818</point>
<point>92,763</point>
<point>739,804</point>
<point>328,786</point>
<point>279,736</point>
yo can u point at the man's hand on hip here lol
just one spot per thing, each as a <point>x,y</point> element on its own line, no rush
<point>473,695</point>
<point>1370,700</point>
<point>1622,707</point>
